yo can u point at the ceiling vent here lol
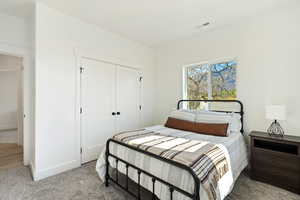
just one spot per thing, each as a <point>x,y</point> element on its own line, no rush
<point>203,25</point>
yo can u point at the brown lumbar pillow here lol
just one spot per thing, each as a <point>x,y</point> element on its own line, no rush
<point>180,124</point>
<point>212,129</point>
<point>216,129</point>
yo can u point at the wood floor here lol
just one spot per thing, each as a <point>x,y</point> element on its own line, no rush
<point>11,155</point>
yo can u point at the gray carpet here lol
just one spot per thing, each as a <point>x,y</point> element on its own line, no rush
<point>84,184</point>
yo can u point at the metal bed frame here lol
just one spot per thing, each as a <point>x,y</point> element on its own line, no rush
<point>172,188</point>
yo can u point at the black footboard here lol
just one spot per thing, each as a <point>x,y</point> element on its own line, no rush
<point>172,188</point>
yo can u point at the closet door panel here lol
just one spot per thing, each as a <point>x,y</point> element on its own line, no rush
<point>98,102</point>
<point>128,99</point>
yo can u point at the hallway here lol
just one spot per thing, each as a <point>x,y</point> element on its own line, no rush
<point>11,156</point>
<point>11,111</point>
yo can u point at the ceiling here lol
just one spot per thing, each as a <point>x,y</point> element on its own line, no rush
<point>151,22</point>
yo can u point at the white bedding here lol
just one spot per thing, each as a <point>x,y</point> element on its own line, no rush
<point>234,144</point>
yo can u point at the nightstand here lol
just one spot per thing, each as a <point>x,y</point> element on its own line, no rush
<point>276,160</point>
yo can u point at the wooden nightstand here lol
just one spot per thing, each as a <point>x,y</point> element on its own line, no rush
<point>276,160</point>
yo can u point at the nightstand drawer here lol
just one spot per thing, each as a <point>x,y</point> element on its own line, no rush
<point>281,162</point>
<point>275,172</point>
<point>280,170</point>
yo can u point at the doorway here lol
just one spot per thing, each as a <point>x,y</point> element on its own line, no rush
<point>11,111</point>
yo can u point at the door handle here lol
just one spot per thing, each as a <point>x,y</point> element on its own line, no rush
<point>118,113</point>
<point>113,113</point>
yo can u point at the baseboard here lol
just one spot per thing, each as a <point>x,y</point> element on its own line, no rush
<point>9,136</point>
<point>44,173</point>
<point>8,129</point>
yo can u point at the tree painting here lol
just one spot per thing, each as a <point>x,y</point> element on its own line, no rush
<point>211,81</point>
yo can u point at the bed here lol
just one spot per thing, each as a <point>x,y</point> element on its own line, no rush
<point>150,173</point>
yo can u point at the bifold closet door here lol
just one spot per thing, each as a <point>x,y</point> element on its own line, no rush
<point>128,99</point>
<point>98,83</point>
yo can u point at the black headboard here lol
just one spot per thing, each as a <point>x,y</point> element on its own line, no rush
<point>241,110</point>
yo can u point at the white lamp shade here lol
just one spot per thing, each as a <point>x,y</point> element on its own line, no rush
<point>276,112</point>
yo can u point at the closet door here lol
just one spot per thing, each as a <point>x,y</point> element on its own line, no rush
<point>128,99</point>
<point>98,85</point>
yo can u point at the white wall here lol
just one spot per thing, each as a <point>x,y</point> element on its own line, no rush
<point>57,35</point>
<point>16,39</point>
<point>267,48</point>
<point>15,31</point>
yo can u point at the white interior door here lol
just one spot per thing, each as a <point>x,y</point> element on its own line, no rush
<point>128,99</point>
<point>98,85</point>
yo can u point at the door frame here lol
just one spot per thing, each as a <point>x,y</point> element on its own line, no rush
<point>27,98</point>
<point>93,54</point>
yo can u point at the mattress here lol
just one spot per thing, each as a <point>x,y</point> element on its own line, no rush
<point>234,145</point>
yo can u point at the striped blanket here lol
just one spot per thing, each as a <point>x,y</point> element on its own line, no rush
<point>206,159</point>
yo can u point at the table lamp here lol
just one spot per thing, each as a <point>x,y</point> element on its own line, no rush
<point>275,112</point>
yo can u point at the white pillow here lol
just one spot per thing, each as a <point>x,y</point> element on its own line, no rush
<point>183,115</point>
<point>236,122</point>
<point>233,119</point>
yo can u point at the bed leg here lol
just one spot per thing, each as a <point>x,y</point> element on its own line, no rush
<point>197,189</point>
<point>107,165</point>
<point>106,182</point>
<point>107,174</point>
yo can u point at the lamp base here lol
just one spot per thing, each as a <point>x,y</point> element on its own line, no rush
<point>275,129</point>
